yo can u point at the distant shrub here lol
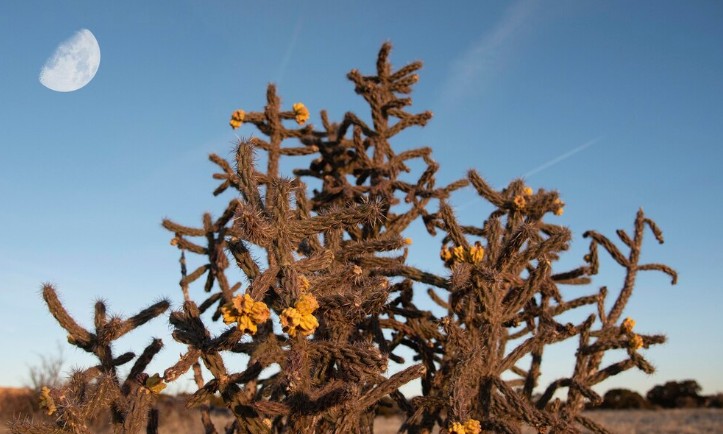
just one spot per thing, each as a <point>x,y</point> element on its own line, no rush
<point>620,399</point>
<point>676,394</point>
<point>16,402</point>
<point>48,371</point>
<point>714,401</point>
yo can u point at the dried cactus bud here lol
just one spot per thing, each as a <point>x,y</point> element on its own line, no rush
<point>237,118</point>
<point>456,428</point>
<point>472,426</point>
<point>299,318</point>
<point>308,324</point>
<point>519,202</point>
<point>154,384</point>
<point>46,401</point>
<point>259,312</point>
<point>445,254</point>
<point>459,254</point>
<point>627,325</point>
<point>307,304</point>
<point>290,318</point>
<point>301,113</point>
<point>635,342</point>
<point>246,324</point>
<point>304,284</point>
<point>246,312</point>
<point>476,253</point>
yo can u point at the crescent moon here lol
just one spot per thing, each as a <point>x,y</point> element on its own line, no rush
<point>73,64</point>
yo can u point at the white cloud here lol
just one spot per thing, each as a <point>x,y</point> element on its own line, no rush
<point>475,68</point>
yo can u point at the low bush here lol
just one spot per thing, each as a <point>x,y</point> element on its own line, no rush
<point>620,399</point>
<point>676,394</point>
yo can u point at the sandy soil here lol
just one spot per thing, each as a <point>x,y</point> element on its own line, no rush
<point>687,421</point>
<point>175,419</point>
<point>679,421</point>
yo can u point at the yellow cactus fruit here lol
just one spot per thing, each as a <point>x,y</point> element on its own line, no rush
<point>301,113</point>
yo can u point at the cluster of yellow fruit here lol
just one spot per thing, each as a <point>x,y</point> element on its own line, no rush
<point>300,318</point>
<point>237,118</point>
<point>473,255</point>
<point>248,313</point>
<point>520,202</point>
<point>472,426</point>
<point>635,341</point>
<point>47,402</point>
<point>301,115</point>
<point>154,384</point>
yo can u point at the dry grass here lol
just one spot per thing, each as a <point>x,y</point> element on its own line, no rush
<point>15,401</point>
<point>676,421</point>
<point>174,418</point>
<point>20,404</point>
<point>679,421</point>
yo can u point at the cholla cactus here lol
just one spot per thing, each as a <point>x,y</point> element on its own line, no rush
<point>90,391</point>
<point>330,299</point>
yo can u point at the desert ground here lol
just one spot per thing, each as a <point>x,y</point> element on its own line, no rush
<point>175,419</point>
<point>678,421</point>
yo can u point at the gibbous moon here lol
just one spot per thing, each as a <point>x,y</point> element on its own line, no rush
<point>73,64</point>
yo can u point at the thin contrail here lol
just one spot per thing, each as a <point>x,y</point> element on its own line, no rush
<point>564,156</point>
<point>544,166</point>
<point>289,49</point>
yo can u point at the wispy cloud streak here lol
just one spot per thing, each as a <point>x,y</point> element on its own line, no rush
<point>467,202</point>
<point>474,69</point>
<point>289,49</point>
<point>562,157</point>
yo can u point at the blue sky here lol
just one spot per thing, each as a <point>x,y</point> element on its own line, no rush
<point>617,105</point>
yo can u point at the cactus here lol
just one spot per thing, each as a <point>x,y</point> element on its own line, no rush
<point>329,299</point>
